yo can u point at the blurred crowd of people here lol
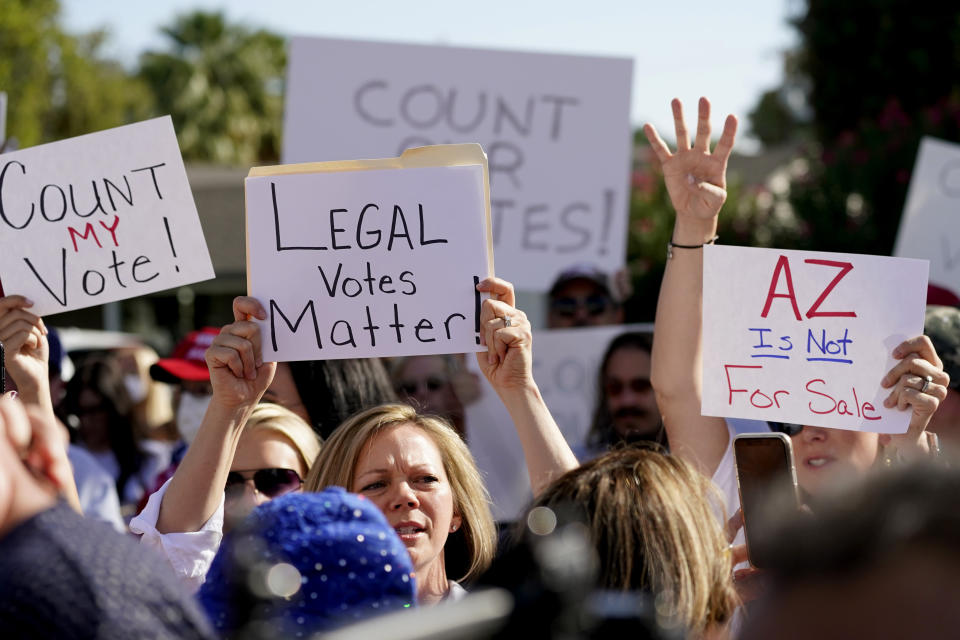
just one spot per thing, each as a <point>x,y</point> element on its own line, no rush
<point>211,494</point>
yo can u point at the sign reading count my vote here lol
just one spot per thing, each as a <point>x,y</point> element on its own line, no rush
<point>804,337</point>
<point>556,129</point>
<point>98,218</point>
<point>370,258</point>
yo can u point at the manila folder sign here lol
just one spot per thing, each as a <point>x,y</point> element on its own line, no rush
<point>555,127</point>
<point>370,258</point>
<point>805,337</point>
<point>98,218</point>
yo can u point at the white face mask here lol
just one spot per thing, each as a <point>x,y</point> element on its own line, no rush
<point>190,414</point>
<point>135,387</point>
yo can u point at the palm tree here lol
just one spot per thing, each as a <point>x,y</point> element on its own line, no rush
<point>222,84</point>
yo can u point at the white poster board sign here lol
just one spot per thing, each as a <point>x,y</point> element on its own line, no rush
<point>98,218</point>
<point>565,366</point>
<point>376,258</point>
<point>930,225</point>
<point>556,129</point>
<point>805,337</point>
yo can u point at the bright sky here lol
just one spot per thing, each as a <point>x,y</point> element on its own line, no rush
<point>728,51</point>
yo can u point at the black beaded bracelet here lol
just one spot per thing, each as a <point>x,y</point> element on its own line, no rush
<point>671,245</point>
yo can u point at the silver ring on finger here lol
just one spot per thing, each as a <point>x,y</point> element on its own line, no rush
<point>926,384</point>
<point>507,322</point>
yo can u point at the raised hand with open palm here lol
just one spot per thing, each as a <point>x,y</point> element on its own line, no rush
<point>695,177</point>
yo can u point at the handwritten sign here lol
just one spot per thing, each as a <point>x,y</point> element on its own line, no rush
<point>556,129</point>
<point>99,218</point>
<point>805,337</point>
<point>370,258</point>
<point>930,226</point>
<point>565,366</point>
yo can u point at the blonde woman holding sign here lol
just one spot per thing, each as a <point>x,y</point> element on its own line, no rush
<point>422,459</point>
<point>421,474</point>
<point>696,180</point>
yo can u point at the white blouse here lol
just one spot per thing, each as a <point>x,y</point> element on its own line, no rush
<point>189,553</point>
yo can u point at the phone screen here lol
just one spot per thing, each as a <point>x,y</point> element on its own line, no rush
<point>767,481</point>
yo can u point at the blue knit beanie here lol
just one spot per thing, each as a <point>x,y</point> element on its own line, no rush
<point>308,562</point>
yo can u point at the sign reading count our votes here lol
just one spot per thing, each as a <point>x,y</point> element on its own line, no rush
<point>370,258</point>
<point>556,129</point>
<point>98,218</point>
<point>804,337</point>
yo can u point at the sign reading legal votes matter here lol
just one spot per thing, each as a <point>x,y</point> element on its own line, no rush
<point>556,129</point>
<point>370,258</point>
<point>99,218</point>
<point>804,337</point>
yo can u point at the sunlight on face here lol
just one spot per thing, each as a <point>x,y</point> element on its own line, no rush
<point>401,471</point>
<point>823,456</point>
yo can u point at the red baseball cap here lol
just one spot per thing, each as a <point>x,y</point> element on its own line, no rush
<point>187,361</point>
<point>941,296</point>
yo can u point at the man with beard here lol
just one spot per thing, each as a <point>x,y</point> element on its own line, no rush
<point>626,409</point>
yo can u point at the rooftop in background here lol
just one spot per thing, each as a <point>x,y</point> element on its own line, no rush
<point>757,169</point>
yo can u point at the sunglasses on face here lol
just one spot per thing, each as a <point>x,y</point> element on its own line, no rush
<point>269,482</point>
<point>568,306</point>
<point>786,427</point>
<point>615,387</point>
<point>432,383</point>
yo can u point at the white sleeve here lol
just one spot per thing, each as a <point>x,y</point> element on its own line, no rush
<point>189,553</point>
<point>725,479</point>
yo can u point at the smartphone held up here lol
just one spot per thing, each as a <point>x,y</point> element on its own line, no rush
<point>767,481</point>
